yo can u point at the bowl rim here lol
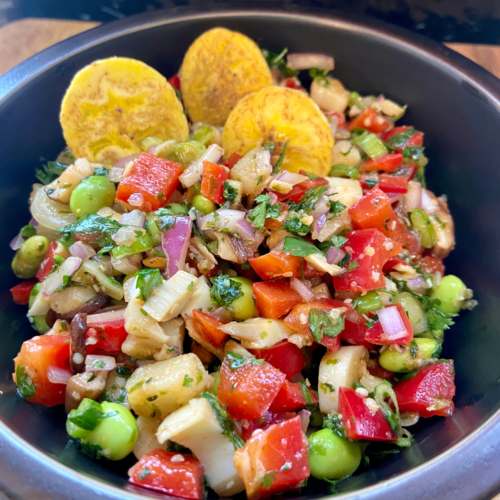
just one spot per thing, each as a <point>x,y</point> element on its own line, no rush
<point>483,444</point>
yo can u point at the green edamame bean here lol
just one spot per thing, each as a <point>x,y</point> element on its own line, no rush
<point>152,228</point>
<point>29,257</point>
<point>369,302</point>
<point>203,204</point>
<point>150,141</point>
<point>91,195</point>
<point>421,222</point>
<point>216,376</point>
<point>417,351</point>
<point>332,457</point>
<point>186,152</point>
<point>244,306</point>
<point>433,334</point>
<point>451,294</point>
<point>177,208</point>
<point>414,311</point>
<point>37,322</point>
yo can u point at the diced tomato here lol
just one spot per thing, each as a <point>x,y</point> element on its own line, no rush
<point>212,182</point>
<point>395,131</point>
<point>392,263</point>
<point>281,265</point>
<point>430,392</point>
<point>48,262</point>
<point>340,117</point>
<point>393,183</point>
<point>376,334</point>
<point>274,461</point>
<point>284,356</point>
<point>370,120</point>
<point>109,335</point>
<point>295,319</point>
<point>431,265</point>
<point>233,160</point>
<point>417,139</point>
<point>291,398</point>
<point>377,371</point>
<point>207,327</point>
<point>275,298</point>
<point>354,334</point>
<point>386,163</point>
<point>158,470</point>
<point>359,421</point>
<point>292,83</point>
<point>270,223</point>
<point>155,178</point>
<point>299,190</point>
<point>248,391</point>
<point>37,356</point>
<point>21,293</point>
<point>368,274</point>
<point>263,423</point>
<point>175,81</point>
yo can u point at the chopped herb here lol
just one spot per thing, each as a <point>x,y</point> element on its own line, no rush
<point>413,152</point>
<point>336,241</point>
<point>144,473</point>
<point>334,423</point>
<point>235,360</point>
<point>345,260</point>
<point>102,227</point>
<point>101,171</point>
<point>310,175</point>
<point>306,394</point>
<point>123,371</point>
<point>64,326</point>
<point>165,222</point>
<point>268,145</point>
<point>25,384</point>
<point>310,199</point>
<point>278,164</point>
<point>268,479</point>
<point>319,75</point>
<point>400,140</point>
<point>299,247</point>
<point>92,450</point>
<point>353,265</point>
<point>190,286</point>
<point>50,172</point>
<point>147,281</point>
<point>333,362</point>
<point>344,171</point>
<point>278,61</point>
<point>263,210</point>
<point>143,312</point>
<point>100,363</point>
<point>224,290</point>
<point>326,387</point>
<point>229,192</point>
<point>295,226</point>
<point>322,323</point>
<point>336,207</point>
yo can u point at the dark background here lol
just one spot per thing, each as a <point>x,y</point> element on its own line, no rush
<point>472,21</point>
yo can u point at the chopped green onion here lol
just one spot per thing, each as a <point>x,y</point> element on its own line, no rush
<point>370,144</point>
<point>369,302</point>
<point>344,171</point>
<point>88,415</point>
<point>202,134</point>
<point>422,223</point>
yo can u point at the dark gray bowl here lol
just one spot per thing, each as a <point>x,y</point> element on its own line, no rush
<point>454,101</point>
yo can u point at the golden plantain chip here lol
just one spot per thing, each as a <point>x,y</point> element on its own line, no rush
<point>220,68</point>
<point>281,115</point>
<point>113,104</point>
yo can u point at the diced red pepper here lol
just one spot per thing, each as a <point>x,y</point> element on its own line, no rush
<point>376,334</point>
<point>291,83</point>
<point>275,298</point>
<point>371,250</point>
<point>212,182</point>
<point>175,81</point>
<point>291,398</point>
<point>233,160</point>
<point>430,392</point>
<point>354,334</point>
<point>274,461</point>
<point>281,265</point>
<point>109,336</point>
<point>299,190</point>
<point>359,421</point>
<point>370,120</point>
<point>248,391</point>
<point>37,356</point>
<point>155,178</point>
<point>48,262</point>
<point>207,327</point>
<point>158,470</point>
<point>21,293</point>
<point>340,117</point>
<point>417,139</point>
<point>392,263</point>
<point>263,423</point>
<point>431,265</point>
<point>386,163</point>
<point>395,131</point>
<point>284,356</point>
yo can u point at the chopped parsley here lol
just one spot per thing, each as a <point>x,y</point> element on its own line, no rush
<point>147,281</point>
<point>268,479</point>
<point>229,192</point>
<point>101,171</point>
<point>295,226</point>
<point>50,172</point>
<point>310,199</point>
<point>322,323</point>
<point>299,247</point>
<point>25,384</point>
<point>319,75</point>
<point>353,265</point>
<point>334,423</point>
<point>165,222</point>
<point>144,473</point>
<point>337,241</point>
<point>263,210</point>
<point>277,61</point>
<point>235,360</point>
<point>224,290</point>
<point>102,227</point>
<point>187,381</point>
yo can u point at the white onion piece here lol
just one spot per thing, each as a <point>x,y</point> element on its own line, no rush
<point>392,323</point>
<point>305,60</point>
<point>413,198</point>
<point>305,416</point>
<point>106,317</point>
<point>134,218</point>
<point>125,236</point>
<point>123,162</point>
<point>417,285</point>
<point>136,199</point>
<point>17,242</point>
<point>193,173</point>
<point>55,280</point>
<point>291,178</point>
<point>49,213</point>
<point>115,174</point>
<point>228,218</point>
<point>302,289</point>
<point>95,363</point>
<point>128,265</point>
<point>81,250</point>
<point>58,375</point>
<point>334,255</point>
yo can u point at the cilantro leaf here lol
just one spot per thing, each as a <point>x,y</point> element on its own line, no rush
<point>229,192</point>
<point>414,152</point>
<point>268,479</point>
<point>147,281</point>
<point>322,323</point>
<point>50,172</point>
<point>187,381</point>
<point>336,207</point>
<point>399,140</point>
<point>25,384</point>
<point>224,290</point>
<point>263,210</point>
<point>334,423</point>
<point>101,171</point>
<point>235,360</point>
<point>319,75</point>
<point>102,227</point>
<point>353,265</point>
<point>299,247</point>
<point>295,226</point>
<point>277,61</point>
<point>336,241</point>
<point>310,198</point>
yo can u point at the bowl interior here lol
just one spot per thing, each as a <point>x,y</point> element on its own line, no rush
<point>460,123</point>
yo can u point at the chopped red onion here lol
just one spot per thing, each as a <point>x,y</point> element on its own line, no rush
<point>95,363</point>
<point>175,242</point>
<point>58,375</point>
<point>302,289</point>
<point>33,223</point>
<point>305,416</point>
<point>105,317</point>
<point>413,198</point>
<point>123,162</point>
<point>246,230</point>
<point>55,280</point>
<point>392,323</point>
<point>394,197</point>
<point>354,317</point>
<point>273,196</point>
<point>17,242</point>
<point>193,173</point>
<point>82,250</point>
<point>334,255</point>
<point>305,60</point>
<point>291,178</point>
<point>258,239</point>
<point>134,218</point>
<point>318,226</point>
<point>136,199</point>
<point>417,285</point>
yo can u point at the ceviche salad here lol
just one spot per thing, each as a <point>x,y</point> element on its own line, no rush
<point>236,274</point>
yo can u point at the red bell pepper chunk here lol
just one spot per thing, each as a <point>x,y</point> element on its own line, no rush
<point>291,83</point>
<point>275,298</point>
<point>376,334</point>
<point>157,470</point>
<point>109,336</point>
<point>212,182</point>
<point>274,461</point>
<point>48,262</point>
<point>431,264</point>
<point>340,117</point>
<point>207,327</point>
<point>36,357</point>
<point>370,120</point>
<point>155,178</point>
<point>284,356</point>
<point>233,160</point>
<point>392,263</point>
<point>175,81</point>
<point>299,190</point>
<point>429,392</point>
<point>386,163</point>
<point>281,265</point>
<point>417,139</point>
<point>21,293</point>
<point>359,421</point>
<point>291,398</point>
<point>395,131</point>
<point>371,250</point>
<point>249,426</point>
<point>354,334</point>
<point>249,390</point>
